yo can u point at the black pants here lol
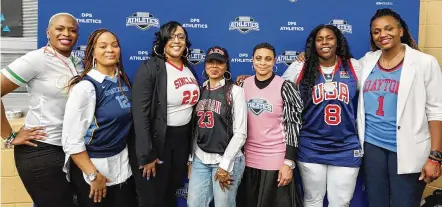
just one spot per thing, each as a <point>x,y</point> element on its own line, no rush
<point>160,191</point>
<point>41,170</point>
<point>259,188</point>
<point>117,195</point>
<point>385,187</point>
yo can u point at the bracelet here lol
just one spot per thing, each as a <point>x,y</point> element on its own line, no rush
<point>10,139</point>
<point>435,159</point>
<point>433,162</point>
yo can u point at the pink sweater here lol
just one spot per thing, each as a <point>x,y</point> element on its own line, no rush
<point>265,146</point>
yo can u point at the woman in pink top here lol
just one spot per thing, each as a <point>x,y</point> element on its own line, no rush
<point>274,111</point>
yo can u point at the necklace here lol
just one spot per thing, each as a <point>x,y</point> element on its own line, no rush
<point>328,78</point>
<point>388,64</point>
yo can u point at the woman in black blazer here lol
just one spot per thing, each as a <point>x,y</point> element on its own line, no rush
<point>164,93</point>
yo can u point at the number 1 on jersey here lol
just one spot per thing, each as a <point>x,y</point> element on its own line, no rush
<point>380,111</point>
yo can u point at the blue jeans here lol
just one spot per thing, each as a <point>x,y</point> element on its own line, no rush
<point>385,187</point>
<point>203,187</point>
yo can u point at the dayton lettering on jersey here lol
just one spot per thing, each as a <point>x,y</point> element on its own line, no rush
<point>319,95</point>
<point>184,81</point>
<point>390,85</point>
<point>115,90</point>
<point>210,105</point>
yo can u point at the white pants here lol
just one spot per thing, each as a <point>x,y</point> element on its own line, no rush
<point>338,182</point>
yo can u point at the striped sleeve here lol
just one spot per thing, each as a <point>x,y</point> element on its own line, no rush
<point>24,69</point>
<point>292,112</point>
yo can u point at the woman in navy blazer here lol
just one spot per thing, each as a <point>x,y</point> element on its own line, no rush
<point>400,108</point>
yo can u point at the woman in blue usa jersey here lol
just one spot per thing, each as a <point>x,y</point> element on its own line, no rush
<point>96,125</point>
<point>329,153</point>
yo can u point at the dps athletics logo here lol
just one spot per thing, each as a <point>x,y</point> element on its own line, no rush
<point>196,56</point>
<point>244,24</point>
<point>287,57</point>
<point>342,25</point>
<point>182,192</point>
<point>142,20</point>
<point>79,51</point>
<point>257,106</point>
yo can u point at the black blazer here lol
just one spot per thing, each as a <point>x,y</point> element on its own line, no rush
<point>149,109</point>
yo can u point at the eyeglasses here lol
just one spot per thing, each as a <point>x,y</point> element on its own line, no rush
<point>181,37</point>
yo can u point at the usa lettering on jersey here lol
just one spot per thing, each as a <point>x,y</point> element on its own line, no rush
<point>205,109</point>
<point>319,95</point>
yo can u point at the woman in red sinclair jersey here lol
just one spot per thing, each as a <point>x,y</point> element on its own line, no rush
<point>273,122</point>
<point>164,93</point>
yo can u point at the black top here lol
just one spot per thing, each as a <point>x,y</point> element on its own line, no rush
<point>211,118</point>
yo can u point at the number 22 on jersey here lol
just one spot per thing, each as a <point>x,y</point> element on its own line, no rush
<point>190,97</point>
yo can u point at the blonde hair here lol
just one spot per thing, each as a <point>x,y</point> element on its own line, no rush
<point>61,14</point>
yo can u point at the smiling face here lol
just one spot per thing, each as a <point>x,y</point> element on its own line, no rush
<point>106,50</point>
<point>62,34</point>
<point>326,43</point>
<point>176,44</point>
<point>386,32</point>
<point>263,61</point>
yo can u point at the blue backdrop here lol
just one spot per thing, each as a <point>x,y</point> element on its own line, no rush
<point>237,25</point>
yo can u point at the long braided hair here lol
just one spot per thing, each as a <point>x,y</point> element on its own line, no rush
<point>89,59</point>
<point>406,38</point>
<point>228,95</point>
<point>311,65</point>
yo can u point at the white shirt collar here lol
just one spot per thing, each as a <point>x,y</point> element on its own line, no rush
<point>221,83</point>
<point>98,76</point>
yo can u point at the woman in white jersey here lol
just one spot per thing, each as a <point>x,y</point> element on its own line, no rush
<point>38,154</point>
<point>220,133</point>
<point>164,92</point>
<point>273,122</point>
<point>97,124</point>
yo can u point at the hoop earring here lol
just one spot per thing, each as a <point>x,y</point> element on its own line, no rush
<point>187,52</point>
<point>276,68</point>
<point>230,75</point>
<point>155,50</point>
<point>94,64</point>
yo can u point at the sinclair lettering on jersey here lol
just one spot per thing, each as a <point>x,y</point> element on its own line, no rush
<point>319,95</point>
<point>257,106</point>
<point>386,85</point>
<point>184,81</point>
<point>209,105</point>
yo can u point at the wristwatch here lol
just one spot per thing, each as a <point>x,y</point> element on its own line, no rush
<point>290,163</point>
<point>8,141</point>
<point>436,154</point>
<point>92,176</point>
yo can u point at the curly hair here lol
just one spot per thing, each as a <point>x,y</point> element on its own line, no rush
<point>406,38</point>
<point>89,59</point>
<point>312,58</point>
<point>227,91</point>
<point>163,36</point>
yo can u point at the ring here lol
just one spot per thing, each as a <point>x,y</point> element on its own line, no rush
<point>228,182</point>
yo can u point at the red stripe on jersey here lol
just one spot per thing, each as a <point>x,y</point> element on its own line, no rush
<point>178,68</point>
<point>352,70</point>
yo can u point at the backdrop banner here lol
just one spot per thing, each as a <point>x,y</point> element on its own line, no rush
<point>236,25</point>
<point>11,18</point>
